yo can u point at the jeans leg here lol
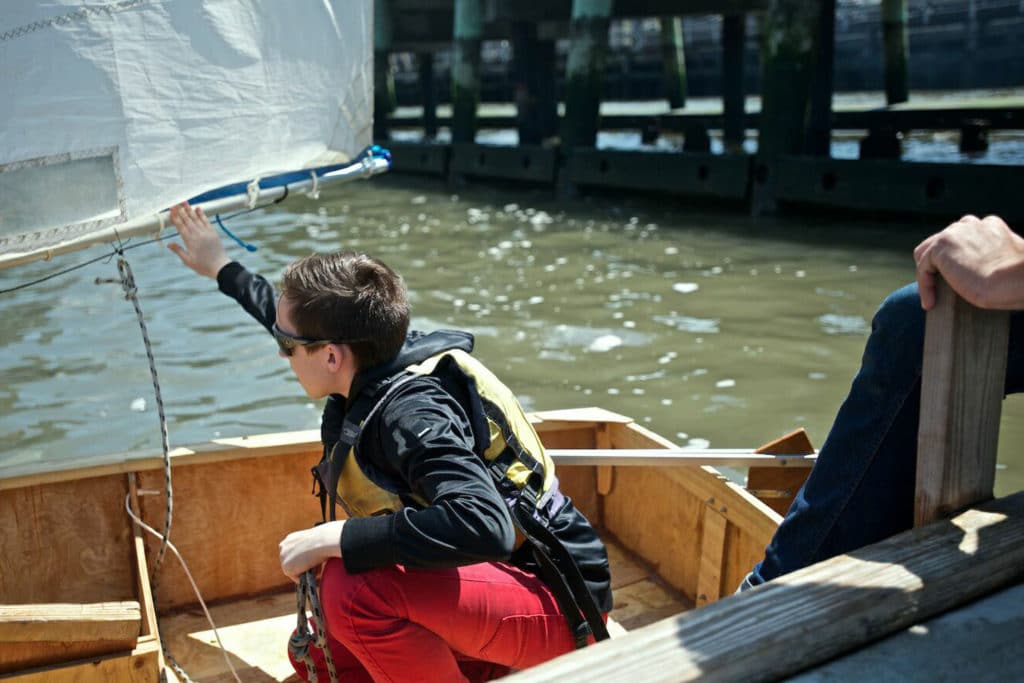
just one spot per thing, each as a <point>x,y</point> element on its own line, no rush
<point>870,450</point>
<point>861,489</point>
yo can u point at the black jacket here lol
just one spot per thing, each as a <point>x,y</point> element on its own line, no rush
<point>422,437</point>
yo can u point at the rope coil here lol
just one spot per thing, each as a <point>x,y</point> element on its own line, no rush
<point>301,641</point>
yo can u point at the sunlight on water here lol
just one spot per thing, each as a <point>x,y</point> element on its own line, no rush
<point>712,329</point>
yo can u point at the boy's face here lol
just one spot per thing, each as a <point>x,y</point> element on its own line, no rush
<point>308,363</point>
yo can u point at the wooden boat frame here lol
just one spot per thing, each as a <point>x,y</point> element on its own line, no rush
<point>86,609</point>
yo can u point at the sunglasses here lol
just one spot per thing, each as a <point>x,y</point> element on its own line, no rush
<point>288,342</point>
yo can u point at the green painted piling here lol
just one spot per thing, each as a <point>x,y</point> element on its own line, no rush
<point>734,38</point>
<point>384,101</point>
<point>673,60</point>
<point>896,44</point>
<point>428,90</point>
<point>788,36</point>
<point>588,35</point>
<point>466,70</point>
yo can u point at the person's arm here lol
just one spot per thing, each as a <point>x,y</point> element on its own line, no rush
<point>426,441</point>
<point>982,260</point>
<point>204,253</point>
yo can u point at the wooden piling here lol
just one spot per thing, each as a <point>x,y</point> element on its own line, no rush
<point>788,55</point>
<point>734,35</point>
<point>533,81</point>
<point>466,70</point>
<point>428,91</point>
<point>894,37</point>
<point>963,376</point>
<point>818,141</point>
<point>384,101</point>
<point>588,34</point>
<point>673,60</point>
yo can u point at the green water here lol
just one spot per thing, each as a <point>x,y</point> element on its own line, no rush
<point>713,329</point>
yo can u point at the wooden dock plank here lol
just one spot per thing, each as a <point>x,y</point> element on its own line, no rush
<point>817,613</point>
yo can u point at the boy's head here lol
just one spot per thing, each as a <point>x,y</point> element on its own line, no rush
<point>348,298</point>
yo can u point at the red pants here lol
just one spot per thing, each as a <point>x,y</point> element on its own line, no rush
<point>470,623</point>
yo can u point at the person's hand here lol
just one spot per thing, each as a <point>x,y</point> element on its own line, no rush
<point>302,550</point>
<point>203,251</point>
<point>981,259</point>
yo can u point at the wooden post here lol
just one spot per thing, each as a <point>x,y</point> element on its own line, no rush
<point>384,101</point>
<point>466,70</point>
<point>962,382</point>
<point>788,52</point>
<point>526,77</point>
<point>734,35</point>
<point>429,90</point>
<point>817,613</point>
<point>819,119</point>
<point>588,33</point>
<point>673,60</point>
<point>894,37</point>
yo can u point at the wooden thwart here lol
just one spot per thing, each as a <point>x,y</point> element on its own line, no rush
<point>817,613</point>
<point>70,622</point>
<point>963,375</point>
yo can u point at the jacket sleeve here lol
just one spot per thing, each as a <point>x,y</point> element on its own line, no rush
<point>425,441</point>
<point>252,291</point>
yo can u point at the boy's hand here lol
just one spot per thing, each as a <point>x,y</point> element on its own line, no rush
<point>203,251</point>
<point>309,548</point>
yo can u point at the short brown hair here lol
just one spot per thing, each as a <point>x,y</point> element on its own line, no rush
<point>349,296</point>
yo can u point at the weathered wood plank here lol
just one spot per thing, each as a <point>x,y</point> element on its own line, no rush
<point>961,398</point>
<point>712,552</point>
<point>140,666</point>
<point>74,537</point>
<point>819,612</point>
<point>70,622</point>
<point>978,642</point>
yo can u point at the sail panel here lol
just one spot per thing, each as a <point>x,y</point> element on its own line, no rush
<point>114,111</point>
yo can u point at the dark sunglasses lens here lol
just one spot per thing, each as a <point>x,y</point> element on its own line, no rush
<point>286,344</point>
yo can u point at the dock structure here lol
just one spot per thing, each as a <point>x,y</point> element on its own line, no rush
<point>794,117</point>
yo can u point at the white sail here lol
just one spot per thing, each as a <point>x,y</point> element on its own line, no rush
<point>113,111</point>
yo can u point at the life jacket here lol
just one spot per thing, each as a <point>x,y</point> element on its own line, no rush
<point>521,470</point>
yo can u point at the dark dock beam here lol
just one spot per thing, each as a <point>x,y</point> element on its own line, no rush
<point>588,32</point>
<point>673,61</point>
<point>384,101</point>
<point>894,36</point>
<point>425,62</point>
<point>533,78</point>
<point>788,55</point>
<point>734,35</point>
<point>819,118</point>
<point>466,70</point>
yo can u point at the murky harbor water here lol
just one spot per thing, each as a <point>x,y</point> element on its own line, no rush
<point>713,329</point>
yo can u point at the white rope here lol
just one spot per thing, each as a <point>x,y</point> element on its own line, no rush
<point>314,191</point>
<point>202,603</point>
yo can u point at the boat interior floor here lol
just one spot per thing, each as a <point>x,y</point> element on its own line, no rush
<point>255,630</point>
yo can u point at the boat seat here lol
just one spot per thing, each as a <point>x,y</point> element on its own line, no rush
<point>37,634</point>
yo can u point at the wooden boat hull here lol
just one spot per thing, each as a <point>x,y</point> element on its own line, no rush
<point>233,501</point>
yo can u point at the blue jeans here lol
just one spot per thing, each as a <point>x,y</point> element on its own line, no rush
<point>861,490</point>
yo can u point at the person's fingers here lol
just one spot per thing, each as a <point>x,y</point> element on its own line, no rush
<point>926,279</point>
<point>924,246</point>
<point>179,251</point>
